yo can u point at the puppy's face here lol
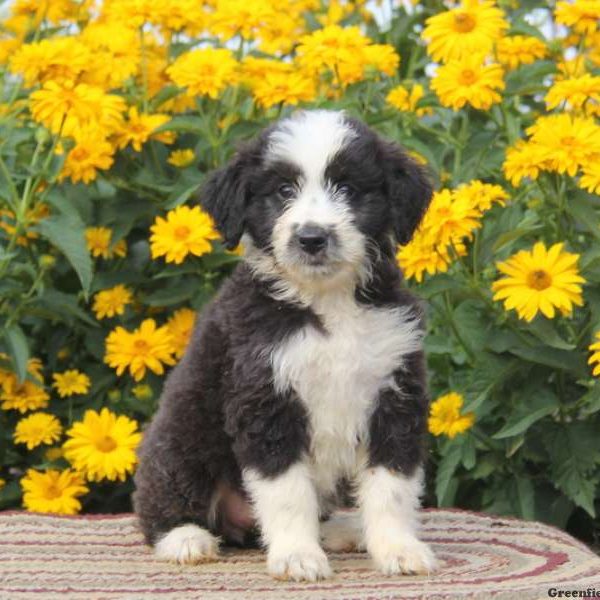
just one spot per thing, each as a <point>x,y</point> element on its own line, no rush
<point>318,195</point>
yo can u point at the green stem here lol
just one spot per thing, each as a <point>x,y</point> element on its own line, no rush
<point>444,137</point>
<point>483,438</point>
<point>11,185</point>
<point>454,328</point>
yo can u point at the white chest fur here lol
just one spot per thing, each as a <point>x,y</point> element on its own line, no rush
<point>337,375</point>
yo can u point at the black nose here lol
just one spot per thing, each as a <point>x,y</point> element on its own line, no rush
<point>312,238</point>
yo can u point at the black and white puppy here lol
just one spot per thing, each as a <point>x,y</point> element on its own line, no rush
<point>306,372</point>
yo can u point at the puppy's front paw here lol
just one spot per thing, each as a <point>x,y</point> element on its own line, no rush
<point>409,556</point>
<point>298,564</point>
<point>188,544</point>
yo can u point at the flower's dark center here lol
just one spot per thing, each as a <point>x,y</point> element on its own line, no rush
<point>539,279</point>
<point>106,444</point>
<point>464,22</point>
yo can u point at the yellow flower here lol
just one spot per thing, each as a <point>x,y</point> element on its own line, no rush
<point>34,368</point>
<point>481,195</point>
<point>8,46</point>
<point>53,491</point>
<point>183,15</point>
<point>181,325</point>
<point>449,218</point>
<point>103,445</point>
<point>382,57</point>
<point>540,281</point>
<point>578,92</point>
<point>232,17</point>
<point>138,129</point>
<point>590,178</point>
<point>468,81</point>
<point>519,50</point>
<point>99,240</point>
<point>72,109</point>
<point>142,391</point>
<point>445,416</point>
<point>71,382</point>
<point>471,28</point>
<point>38,428</point>
<point>420,256</point>
<point>115,56</point>
<point>254,69</point>
<point>54,11</point>
<point>146,347</point>
<point>582,15</point>
<point>594,348</point>
<point>91,153</point>
<point>2,483</point>
<point>185,231</point>
<point>181,158</point>
<point>134,12</point>
<point>59,59</point>
<point>278,35</point>
<point>111,302</point>
<point>573,67</point>
<point>283,88</point>
<point>8,222</point>
<point>336,12</point>
<point>567,141</point>
<point>523,160</point>
<point>344,52</point>
<point>22,396</point>
<point>204,71</point>
<point>407,100</point>
<point>54,454</point>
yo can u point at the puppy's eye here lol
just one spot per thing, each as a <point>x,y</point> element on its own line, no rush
<point>345,189</point>
<point>286,190</point>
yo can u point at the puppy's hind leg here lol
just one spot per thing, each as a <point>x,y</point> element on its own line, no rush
<point>187,544</point>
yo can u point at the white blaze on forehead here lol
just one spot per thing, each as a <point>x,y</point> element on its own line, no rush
<point>310,139</point>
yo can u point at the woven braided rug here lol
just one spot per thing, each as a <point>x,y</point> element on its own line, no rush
<point>104,557</point>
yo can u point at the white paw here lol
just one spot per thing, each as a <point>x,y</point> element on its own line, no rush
<point>308,564</point>
<point>342,533</point>
<point>409,556</point>
<point>188,544</point>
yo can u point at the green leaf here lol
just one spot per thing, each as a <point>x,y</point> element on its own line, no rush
<point>534,408</point>
<point>490,371</point>
<point>469,453</point>
<point>18,349</point>
<point>553,357</point>
<point>67,234</point>
<point>528,225</point>
<point>583,208</point>
<point>575,450</point>
<point>174,293</point>
<point>525,497</point>
<point>544,330</point>
<point>472,324</point>
<point>590,401</point>
<point>436,285</point>
<point>445,470</point>
<point>64,305</point>
<point>185,124</point>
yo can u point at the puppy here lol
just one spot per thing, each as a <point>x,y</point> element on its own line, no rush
<point>306,371</point>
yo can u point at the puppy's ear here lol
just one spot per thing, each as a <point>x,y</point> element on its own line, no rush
<point>226,193</point>
<point>409,190</point>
